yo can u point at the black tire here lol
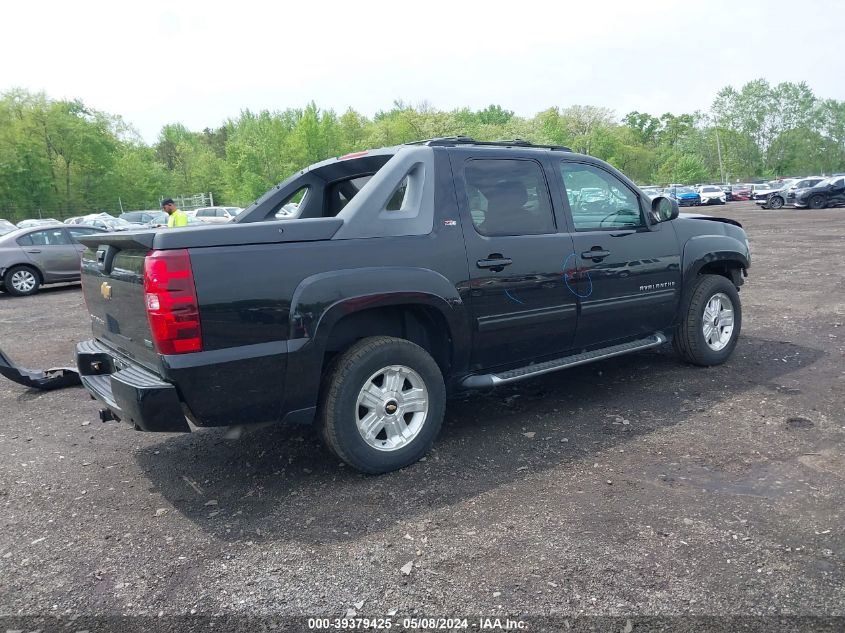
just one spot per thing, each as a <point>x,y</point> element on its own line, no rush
<point>816,202</point>
<point>775,202</point>
<point>338,407</point>
<point>689,340</point>
<point>10,288</point>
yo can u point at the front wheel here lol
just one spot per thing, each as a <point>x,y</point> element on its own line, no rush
<point>708,332</point>
<point>816,202</point>
<point>382,404</point>
<point>775,202</point>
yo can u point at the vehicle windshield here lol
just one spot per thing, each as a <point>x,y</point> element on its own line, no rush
<point>710,189</point>
<point>683,190</point>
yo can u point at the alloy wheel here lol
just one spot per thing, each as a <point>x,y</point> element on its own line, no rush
<point>391,408</point>
<point>717,322</point>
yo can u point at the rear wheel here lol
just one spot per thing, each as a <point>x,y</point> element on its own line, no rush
<point>382,404</point>
<point>708,333</point>
<point>816,202</point>
<point>21,281</point>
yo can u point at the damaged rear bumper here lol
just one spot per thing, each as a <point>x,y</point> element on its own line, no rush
<point>55,378</point>
<point>131,393</point>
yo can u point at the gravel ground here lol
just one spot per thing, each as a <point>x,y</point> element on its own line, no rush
<point>636,486</point>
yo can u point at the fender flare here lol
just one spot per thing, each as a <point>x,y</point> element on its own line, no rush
<point>706,249</point>
<point>322,300</point>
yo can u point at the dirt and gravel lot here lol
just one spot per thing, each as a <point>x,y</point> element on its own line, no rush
<point>630,487</point>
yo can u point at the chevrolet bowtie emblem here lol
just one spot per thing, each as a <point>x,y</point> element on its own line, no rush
<point>105,290</point>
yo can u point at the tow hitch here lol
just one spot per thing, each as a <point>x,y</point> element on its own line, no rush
<point>55,378</point>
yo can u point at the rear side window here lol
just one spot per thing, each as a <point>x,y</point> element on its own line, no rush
<point>598,200</point>
<point>508,197</point>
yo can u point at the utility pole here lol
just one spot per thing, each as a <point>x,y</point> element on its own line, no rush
<point>120,204</point>
<point>719,151</point>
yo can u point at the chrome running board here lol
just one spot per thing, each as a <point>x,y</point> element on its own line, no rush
<point>480,381</point>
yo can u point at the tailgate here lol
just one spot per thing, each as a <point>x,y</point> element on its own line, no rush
<point>113,287</point>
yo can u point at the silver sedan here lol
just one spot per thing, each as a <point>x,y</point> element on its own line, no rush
<point>40,255</point>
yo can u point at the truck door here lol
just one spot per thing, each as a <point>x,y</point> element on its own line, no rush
<point>627,272</point>
<point>521,308</point>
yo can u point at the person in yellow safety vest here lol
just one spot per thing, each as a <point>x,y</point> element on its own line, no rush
<point>177,218</point>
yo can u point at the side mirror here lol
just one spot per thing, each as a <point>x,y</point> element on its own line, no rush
<point>663,209</point>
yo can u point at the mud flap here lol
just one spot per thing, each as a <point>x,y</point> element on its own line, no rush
<point>56,378</point>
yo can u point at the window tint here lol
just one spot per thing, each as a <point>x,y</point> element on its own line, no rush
<point>25,240</point>
<point>508,197</point>
<point>221,213</point>
<point>598,199</point>
<point>53,237</point>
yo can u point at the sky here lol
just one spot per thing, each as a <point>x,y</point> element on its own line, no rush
<point>201,62</point>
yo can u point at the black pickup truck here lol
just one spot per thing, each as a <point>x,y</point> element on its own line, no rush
<point>362,291</point>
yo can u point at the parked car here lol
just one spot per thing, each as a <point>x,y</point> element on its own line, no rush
<point>741,191</point>
<point>652,192</point>
<point>686,196</point>
<point>786,194</point>
<point>362,314</point>
<point>110,224</point>
<point>141,217</point>
<point>6,227</point>
<point>804,183</point>
<point>728,192</point>
<point>761,191</point>
<point>830,192</point>
<point>217,215</point>
<point>711,194</point>
<point>30,258</point>
<point>27,224</point>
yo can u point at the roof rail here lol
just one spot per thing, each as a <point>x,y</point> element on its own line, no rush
<point>452,141</point>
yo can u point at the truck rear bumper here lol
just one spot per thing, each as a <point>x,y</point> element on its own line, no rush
<point>132,394</point>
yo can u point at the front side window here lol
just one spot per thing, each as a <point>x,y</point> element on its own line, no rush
<point>598,200</point>
<point>508,197</point>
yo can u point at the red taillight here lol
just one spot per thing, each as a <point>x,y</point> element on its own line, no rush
<point>171,300</point>
<point>353,155</point>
